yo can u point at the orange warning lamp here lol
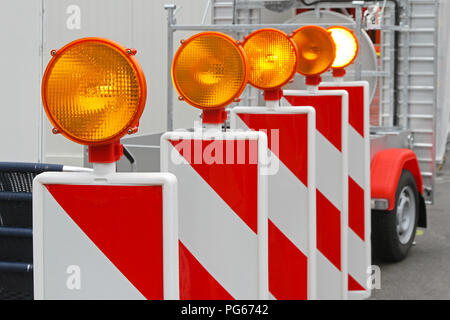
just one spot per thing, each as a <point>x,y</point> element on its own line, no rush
<point>347,48</point>
<point>94,93</point>
<point>272,58</point>
<point>317,52</point>
<point>209,71</point>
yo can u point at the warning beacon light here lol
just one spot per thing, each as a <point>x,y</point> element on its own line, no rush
<point>94,92</point>
<point>209,71</point>
<point>317,52</point>
<point>347,47</point>
<point>272,59</point>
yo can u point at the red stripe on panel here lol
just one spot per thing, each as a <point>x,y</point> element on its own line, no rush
<point>328,230</point>
<point>356,208</point>
<point>355,106</point>
<point>231,169</point>
<point>289,143</point>
<point>125,223</point>
<point>288,267</point>
<point>196,283</point>
<point>328,115</point>
<point>353,285</point>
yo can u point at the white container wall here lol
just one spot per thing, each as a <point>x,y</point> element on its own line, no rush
<point>30,29</point>
<point>20,65</point>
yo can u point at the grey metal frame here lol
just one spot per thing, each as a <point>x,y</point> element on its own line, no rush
<point>172,27</point>
<point>387,102</point>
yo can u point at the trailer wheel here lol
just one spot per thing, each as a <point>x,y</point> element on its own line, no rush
<point>393,232</point>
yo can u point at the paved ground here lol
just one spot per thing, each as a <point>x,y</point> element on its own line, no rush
<point>425,274</point>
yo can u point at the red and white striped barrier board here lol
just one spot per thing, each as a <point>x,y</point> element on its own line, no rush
<point>222,212</point>
<point>331,186</point>
<point>111,236</point>
<point>359,251</point>
<point>291,192</point>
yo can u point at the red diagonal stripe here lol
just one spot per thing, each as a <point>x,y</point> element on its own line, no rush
<point>291,144</point>
<point>125,223</point>
<point>196,283</point>
<point>328,230</point>
<point>353,285</point>
<point>288,267</point>
<point>233,176</point>
<point>355,106</point>
<point>328,115</point>
<point>356,208</point>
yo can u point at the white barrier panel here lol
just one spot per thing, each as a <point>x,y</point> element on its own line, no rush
<point>331,186</point>
<point>292,199</point>
<point>111,236</point>
<point>223,212</point>
<point>359,250</point>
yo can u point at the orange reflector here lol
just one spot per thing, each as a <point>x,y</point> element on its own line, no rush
<point>316,50</point>
<point>272,58</point>
<point>93,91</point>
<point>346,46</point>
<point>209,70</point>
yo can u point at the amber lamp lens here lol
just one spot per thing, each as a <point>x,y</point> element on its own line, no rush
<point>346,46</point>
<point>93,92</point>
<point>316,50</point>
<point>272,58</point>
<point>209,70</point>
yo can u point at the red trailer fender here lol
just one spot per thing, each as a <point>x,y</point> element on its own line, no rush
<point>386,168</point>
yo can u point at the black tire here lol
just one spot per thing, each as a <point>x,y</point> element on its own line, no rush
<point>386,245</point>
